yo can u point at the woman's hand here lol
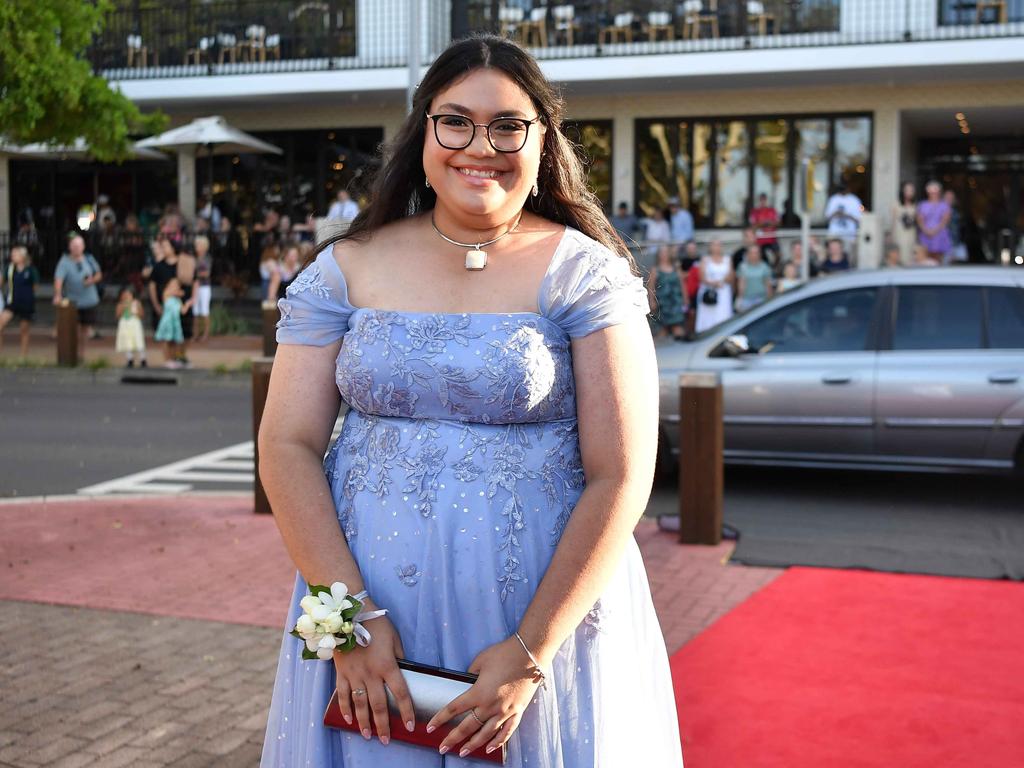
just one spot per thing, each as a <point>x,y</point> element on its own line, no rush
<point>368,669</point>
<point>499,697</point>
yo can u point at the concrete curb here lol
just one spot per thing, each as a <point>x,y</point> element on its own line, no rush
<point>65,498</point>
<point>142,377</point>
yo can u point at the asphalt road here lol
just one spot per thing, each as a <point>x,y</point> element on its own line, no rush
<point>61,432</point>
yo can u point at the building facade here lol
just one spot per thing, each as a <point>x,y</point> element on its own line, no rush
<point>712,104</point>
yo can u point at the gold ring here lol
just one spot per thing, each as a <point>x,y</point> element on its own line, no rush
<point>474,714</point>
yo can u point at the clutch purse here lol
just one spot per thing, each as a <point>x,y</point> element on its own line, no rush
<point>431,688</point>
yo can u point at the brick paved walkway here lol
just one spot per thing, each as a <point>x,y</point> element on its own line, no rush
<point>152,679</point>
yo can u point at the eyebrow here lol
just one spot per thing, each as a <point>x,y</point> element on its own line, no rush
<point>467,111</point>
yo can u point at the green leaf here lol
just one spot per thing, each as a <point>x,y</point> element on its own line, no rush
<point>308,655</point>
<point>316,589</point>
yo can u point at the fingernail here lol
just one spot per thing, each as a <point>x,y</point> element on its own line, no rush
<point>366,733</point>
<point>431,728</point>
<point>385,739</point>
<point>443,749</point>
<point>410,726</point>
<point>491,748</point>
<point>463,752</point>
<point>348,719</point>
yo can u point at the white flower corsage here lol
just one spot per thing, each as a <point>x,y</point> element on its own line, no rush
<point>332,621</point>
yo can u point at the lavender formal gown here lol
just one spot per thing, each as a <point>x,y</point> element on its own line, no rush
<point>454,476</point>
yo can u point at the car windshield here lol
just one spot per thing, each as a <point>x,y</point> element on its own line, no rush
<point>716,329</point>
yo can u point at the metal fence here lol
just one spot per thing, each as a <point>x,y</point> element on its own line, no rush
<point>220,37</point>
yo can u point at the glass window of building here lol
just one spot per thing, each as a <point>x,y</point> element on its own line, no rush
<point>662,164</point>
<point>703,152</point>
<point>732,182</point>
<point>594,138</point>
<point>851,155</point>
<point>771,162</point>
<point>811,139</point>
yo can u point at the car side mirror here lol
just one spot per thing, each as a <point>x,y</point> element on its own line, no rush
<point>736,345</point>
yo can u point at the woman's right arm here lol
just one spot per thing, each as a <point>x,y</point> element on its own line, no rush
<point>301,408</point>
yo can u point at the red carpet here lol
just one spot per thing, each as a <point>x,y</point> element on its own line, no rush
<point>852,669</point>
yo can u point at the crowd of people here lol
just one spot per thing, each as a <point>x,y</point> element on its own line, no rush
<point>926,232</point>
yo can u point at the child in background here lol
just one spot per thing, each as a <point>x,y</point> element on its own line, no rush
<point>131,339</point>
<point>169,330</point>
<point>790,279</point>
<point>19,280</point>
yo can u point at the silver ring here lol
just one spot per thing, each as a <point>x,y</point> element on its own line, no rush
<point>359,692</point>
<point>474,714</point>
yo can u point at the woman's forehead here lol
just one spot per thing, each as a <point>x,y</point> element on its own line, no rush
<point>484,93</point>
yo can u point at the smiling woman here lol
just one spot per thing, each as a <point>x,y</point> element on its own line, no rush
<point>497,454</point>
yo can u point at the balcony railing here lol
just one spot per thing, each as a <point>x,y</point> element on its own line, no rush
<point>221,37</point>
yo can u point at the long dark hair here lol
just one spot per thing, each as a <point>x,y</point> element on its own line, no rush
<point>399,189</point>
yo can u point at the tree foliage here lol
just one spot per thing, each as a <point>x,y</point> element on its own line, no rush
<point>48,91</point>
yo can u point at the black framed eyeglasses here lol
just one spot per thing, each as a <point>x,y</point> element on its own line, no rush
<point>505,134</point>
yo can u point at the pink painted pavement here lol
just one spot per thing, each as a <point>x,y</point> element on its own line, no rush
<point>192,557</point>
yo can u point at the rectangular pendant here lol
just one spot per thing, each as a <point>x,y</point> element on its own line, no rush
<point>476,259</point>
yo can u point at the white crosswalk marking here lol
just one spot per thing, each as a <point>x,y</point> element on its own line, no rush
<point>226,469</point>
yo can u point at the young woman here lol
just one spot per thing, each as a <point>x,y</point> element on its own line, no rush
<point>933,215</point>
<point>714,299</point>
<point>498,452</point>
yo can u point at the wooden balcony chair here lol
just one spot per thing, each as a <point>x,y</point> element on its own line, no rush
<point>564,17</point>
<point>758,14</point>
<point>999,6</point>
<point>536,27</point>
<point>659,23</point>
<point>201,51</point>
<point>138,54</point>
<point>695,17</point>
<point>621,29</point>
<point>511,20</point>
<point>253,46</point>
<point>228,44</point>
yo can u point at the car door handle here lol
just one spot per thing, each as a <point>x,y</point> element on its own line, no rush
<point>836,378</point>
<point>1004,377</point>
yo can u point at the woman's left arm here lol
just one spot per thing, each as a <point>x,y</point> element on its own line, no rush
<point>617,409</point>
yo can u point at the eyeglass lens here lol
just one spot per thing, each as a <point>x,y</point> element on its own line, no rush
<point>506,134</point>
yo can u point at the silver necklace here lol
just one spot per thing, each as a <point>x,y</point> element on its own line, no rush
<point>476,258</point>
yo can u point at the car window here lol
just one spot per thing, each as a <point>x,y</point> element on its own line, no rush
<point>937,317</point>
<point>1006,318</point>
<point>832,322</point>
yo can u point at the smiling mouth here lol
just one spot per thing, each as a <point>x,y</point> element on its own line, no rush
<point>479,174</point>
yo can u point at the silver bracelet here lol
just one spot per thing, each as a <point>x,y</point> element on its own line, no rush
<point>538,673</point>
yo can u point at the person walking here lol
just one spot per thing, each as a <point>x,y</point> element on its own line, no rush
<point>933,217</point>
<point>714,299</point>
<point>18,283</point>
<point>903,228</point>
<point>665,283</point>
<point>75,279</point>
<point>488,331</point>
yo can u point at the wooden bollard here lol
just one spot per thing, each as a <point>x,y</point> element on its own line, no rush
<point>270,317</point>
<point>260,386</point>
<point>701,442</point>
<point>67,334</point>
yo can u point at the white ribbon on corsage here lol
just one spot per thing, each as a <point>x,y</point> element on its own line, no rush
<point>362,636</point>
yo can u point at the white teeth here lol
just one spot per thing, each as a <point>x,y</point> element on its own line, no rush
<point>478,174</point>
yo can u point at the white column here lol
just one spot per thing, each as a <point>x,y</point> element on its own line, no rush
<point>885,171</point>
<point>623,161</point>
<point>5,195</point>
<point>187,184</point>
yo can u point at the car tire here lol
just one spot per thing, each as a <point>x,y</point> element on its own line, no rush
<point>666,468</point>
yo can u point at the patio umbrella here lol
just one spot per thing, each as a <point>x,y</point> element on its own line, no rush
<point>212,133</point>
<point>79,150</point>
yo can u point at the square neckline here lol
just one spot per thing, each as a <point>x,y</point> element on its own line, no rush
<point>563,239</point>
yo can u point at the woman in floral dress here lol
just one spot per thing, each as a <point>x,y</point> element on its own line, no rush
<point>498,450</point>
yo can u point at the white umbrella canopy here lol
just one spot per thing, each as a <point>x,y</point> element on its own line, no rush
<point>77,151</point>
<point>212,133</point>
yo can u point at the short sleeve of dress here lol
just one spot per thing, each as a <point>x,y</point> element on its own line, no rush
<point>315,309</point>
<point>589,287</point>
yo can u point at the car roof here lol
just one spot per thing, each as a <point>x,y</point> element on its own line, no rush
<point>954,276</point>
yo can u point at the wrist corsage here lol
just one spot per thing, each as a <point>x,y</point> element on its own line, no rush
<point>332,621</point>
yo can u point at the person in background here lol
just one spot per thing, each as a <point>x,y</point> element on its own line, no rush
<point>790,277</point>
<point>903,227</point>
<point>796,257</point>
<point>753,280</point>
<point>665,284</point>
<point>843,211</point>
<point>169,331</point>
<point>268,272</point>
<point>836,259</point>
<point>657,233</point>
<point>165,269</point>
<point>933,217</point>
<point>131,338</point>
<point>714,300</point>
<point>894,257</point>
<point>18,290</point>
<point>75,279</point>
<point>749,240</point>
<point>286,271</point>
<point>203,288</point>
<point>344,208</point>
<point>958,250</point>
<point>186,274</point>
<point>924,258</point>
<point>765,221</point>
<point>625,223</point>
<point>681,223</point>
<point>205,209</point>
<point>690,256</point>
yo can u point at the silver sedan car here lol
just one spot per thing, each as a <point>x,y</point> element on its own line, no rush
<point>917,369</point>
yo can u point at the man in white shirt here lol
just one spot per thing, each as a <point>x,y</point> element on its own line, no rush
<point>843,212</point>
<point>681,224</point>
<point>344,208</point>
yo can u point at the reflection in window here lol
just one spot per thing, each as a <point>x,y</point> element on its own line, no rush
<point>934,317</point>
<point>1006,318</point>
<point>833,322</point>
<point>812,137</point>
<point>733,151</point>
<point>595,141</point>
<point>852,156</point>
<point>771,171</point>
<point>654,155</point>
<point>702,152</point>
